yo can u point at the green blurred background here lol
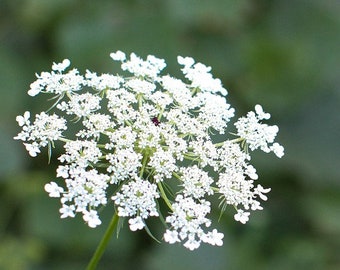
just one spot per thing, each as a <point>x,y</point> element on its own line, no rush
<point>281,54</point>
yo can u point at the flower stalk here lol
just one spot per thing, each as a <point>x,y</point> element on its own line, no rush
<point>103,243</point>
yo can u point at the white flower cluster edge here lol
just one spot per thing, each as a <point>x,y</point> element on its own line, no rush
<point>146,137</point>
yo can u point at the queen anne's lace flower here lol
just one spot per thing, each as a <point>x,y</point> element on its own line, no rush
<point>81,153</point>
<point>256,134</point>
<point>148,137</point>
<point>242,216</point>
<point>188,221</point>
<point>215,112</point>
<point>95,124</point>
<point>149,68</point>
<point>53,189</point>
<point>137,199</point>
<point>141,87</point>
<point>163,163</point>
<point>200,76</point>
<point>81,105</point>
<point>91,218</point>
<point>123,164</point>
<point>57,83</point>
<point>196,182</point>
<point>60,67</point>
<point>103,82</point>
<point>118,56</point>
<point>44,130</point>
<point>86,190</point>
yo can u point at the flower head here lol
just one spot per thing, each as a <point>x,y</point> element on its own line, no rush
<point>137,199</point>
<point>150,139</point>
<point>61,66</point>
<point>56,82</point>
<point>257,134</point>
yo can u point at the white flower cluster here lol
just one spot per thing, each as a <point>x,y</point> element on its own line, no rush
<point>45,129</point>
<point>259,135</point>
<point>149,137</point>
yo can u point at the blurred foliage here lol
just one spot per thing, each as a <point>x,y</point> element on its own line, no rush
<point>281,54</point>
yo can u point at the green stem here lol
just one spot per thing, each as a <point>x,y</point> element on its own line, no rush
<point>232,141</point>
<point>64,139</point>
<point>144,161</point>
<point>103,243</point>
<point>165,198</point>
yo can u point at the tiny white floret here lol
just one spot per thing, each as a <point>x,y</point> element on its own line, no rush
<point>53,189</point>
<point>242,216</point>
<point>61,66</point>
<point>118,56</point>
<point>91,218</point>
